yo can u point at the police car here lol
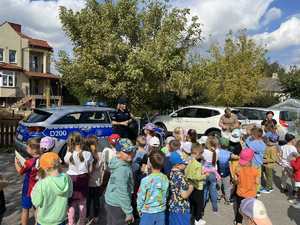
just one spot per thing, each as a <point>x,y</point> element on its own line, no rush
<point>60,122</point>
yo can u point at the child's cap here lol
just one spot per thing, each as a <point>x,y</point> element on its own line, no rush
<point>289,137</point>
<point>202,140</point>
<point>113,139</point>
<point>169,139</point>
<point>187,147</point>
<point>255,210</point>
<point>272,137</point>
<point>149,126</point>
<point>47,143</point>
<point>246,156</point>
<point>175,158</point>
<point>125,145</point>
<point>154,142</point>
<point>224,142</point>
<point>49,160</point>
<point>235,136</point>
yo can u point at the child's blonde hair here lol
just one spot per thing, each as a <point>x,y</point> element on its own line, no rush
<point>89,141</point>
<point>34,144</point>
<point>212,144</point>
<point>179,134</point>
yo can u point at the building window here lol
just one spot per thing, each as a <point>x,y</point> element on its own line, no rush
<point>12,56</point>
<point>1,55</point>
<point>7,79</point>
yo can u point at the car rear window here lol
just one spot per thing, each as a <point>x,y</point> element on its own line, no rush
<point>37,116</point>
<point>288,116</point>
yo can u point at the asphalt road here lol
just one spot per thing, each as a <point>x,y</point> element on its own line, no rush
<point>278,207</point>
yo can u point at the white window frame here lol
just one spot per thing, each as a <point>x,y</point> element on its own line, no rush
<point>2,55</point>
<point>7,75</point>
<point>15,56</point>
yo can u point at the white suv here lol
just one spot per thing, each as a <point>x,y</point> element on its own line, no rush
<point>204,119</point>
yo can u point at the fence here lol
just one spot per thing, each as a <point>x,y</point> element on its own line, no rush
<point>7,132</point>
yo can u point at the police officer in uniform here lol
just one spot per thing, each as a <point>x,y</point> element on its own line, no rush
<point>121,119</point>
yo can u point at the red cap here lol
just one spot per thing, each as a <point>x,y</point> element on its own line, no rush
<point>113,139</point>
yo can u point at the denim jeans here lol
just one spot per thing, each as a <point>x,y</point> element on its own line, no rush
<point>227,187</point>
<point>210,190</point>
<point>153,218</point>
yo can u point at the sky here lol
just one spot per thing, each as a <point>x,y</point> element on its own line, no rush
<point>274,24</point>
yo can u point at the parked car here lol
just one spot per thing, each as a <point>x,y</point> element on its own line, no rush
<point>204,119</point>
<point>59,122</point>
<point>285,118</point>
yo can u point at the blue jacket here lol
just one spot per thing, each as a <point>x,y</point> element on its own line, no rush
<point>259,147</point>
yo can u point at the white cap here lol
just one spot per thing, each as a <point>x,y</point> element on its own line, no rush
<point>154,142</point>
<point>187,147</point>
<point>235,135</point>
<point>202,140</point>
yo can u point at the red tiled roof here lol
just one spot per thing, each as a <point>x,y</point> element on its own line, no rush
<point>42,75</point>
<point>32,41</point>
<point>6,66</point>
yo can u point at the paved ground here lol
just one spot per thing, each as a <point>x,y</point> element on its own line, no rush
<point>279,209</point>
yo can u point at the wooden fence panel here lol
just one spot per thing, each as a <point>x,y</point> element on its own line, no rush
<point>7,132</point>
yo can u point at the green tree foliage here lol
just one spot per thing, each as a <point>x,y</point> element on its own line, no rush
<point>291,82</point>
<point>131,47</point>
<point>230,75</point>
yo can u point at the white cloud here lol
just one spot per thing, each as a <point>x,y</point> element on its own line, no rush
<point>39,19</point>
<point>272,14</point>
<point>218,17</point>
<point>288,34</point>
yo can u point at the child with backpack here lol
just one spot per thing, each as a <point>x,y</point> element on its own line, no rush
<point>30,172</point>
<point>195,175</point>
<point>79,164</point>
<point>180,191</point>
<point>270,160</point>
<point>94,192</point>
<point>224,159</point>
<point>287,151</point>
<point>50,195</point>
<point>120,186</point>
<point>153,191</point>
<point>246,178</point>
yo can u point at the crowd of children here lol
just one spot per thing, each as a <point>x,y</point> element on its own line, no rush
<point>155,183</point>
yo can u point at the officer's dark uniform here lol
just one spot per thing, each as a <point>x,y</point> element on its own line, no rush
<point>121,116</point>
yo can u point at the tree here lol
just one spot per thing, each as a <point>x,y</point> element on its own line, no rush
<point>231,74</point>
<point>130,47</point>
<point>291,82</point>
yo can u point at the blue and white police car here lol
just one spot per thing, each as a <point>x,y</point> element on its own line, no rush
<point>60,122</point>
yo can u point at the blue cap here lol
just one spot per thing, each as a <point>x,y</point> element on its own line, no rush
<point>125,145</point>
<point>272,137</point>
<point>175,158</point>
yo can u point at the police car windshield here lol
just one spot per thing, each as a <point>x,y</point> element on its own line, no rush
<point>37,116</point>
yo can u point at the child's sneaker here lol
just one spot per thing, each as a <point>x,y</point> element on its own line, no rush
<point>200,222</point>
<point>265,191</point>
<point>258,194</point>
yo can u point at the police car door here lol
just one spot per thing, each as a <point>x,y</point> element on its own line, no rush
<point>63,127</point>
<point>95,123</point>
